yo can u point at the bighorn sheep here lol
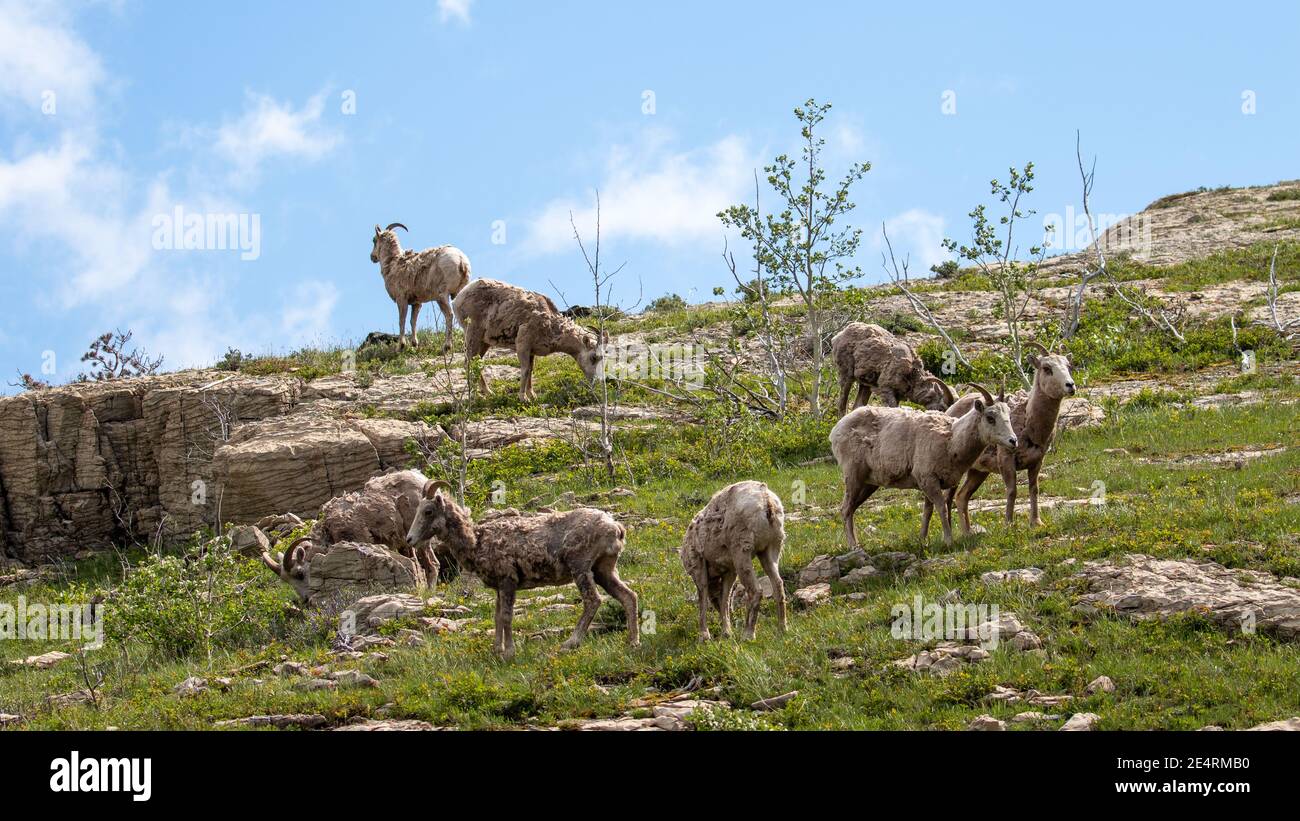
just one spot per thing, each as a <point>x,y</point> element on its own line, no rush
<point>873,358</point>
<point>415,277</point>
<point>496,314</point>
<point>513,553</point>
<point>380,513</point>
<point>1033,417</point>
<point>740,522</point>
<point>906,448</point>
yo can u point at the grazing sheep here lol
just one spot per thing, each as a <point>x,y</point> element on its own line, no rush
<point>924,450</point>
<point>416,277</point>
<point>873,358</point>
<point>740,522</point>
<point>380,513</point>
<point>1033,417</point>
<point>519,552</point>
<point>496,314</point>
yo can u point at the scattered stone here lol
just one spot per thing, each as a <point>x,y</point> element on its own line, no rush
<point>775,702</point>
<point>1080,722</point>
<point>1010,695</point>
<point>946,657</point>
<point>191,687</point>
<point>306,721</point>
<point>860,575</point>
<point>288,669</point>
<point>1026,640</point>
<point>249,541</point>
<point>844,663</point>
<point>9,718</point>
<point>852,560</point>
<point>1025,575</point>
<point>813,595</point>
<point>1286,724</point>
<point>987,723</point>
<point>1033,716</point>
<point>1144,587</point>
<point>67,699</point>
<point>43,661</point>
<point>314,684</point>
<point>1101,684</point>
<point>387,725</point>
<point>372,611</point>
<point>354,678</point>
<point>821,569</point>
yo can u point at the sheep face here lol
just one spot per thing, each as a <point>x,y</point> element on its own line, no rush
<point>430,518</point>
<point>374,248</point>
<point>591,357</point>
<point>931,395</point>
<point>293,570</point>
<point>995,424</point>
<point>1052,375</point>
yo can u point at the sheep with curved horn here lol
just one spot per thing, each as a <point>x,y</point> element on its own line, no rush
<point>874,359</point>
<point>1033,417</point>
<point>413,278</point>
<point>924,450</point>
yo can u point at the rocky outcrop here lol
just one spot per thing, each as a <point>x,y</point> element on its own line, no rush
<point>353,566</point>
<point>1144,587</point>
<point>93,464</point>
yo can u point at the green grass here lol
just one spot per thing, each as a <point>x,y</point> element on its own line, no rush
<point>1180,674</point>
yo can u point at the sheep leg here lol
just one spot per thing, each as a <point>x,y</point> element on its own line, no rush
<point>701,577</point>
<point>1008,469</point>
<point>446,318</point>
<point>724,602</point>
<point>590,604</point>
<point>429,563</point>
<point>855,493</point>
<point>770,559</point>
<point>974,478</point>
<point>475,346</point>
<point>401,324</point>
<point>744,561</point>
<point>606,573</point>
<point>415,316</point>
<point>504,642</point>
<point>888,398</point>
<point>934,497</point>
<point>525,374</point>
<point>927,510</point>
<point>864,395</point>
<point>1033,494</point>
<point>846,384</point>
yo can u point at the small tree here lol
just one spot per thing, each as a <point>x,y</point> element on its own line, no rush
<point>801,244</point>
<point>109,358</point>
<point>994,251</point>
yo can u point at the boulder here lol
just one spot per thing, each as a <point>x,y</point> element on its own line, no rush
<point>249,540</point>
<point>813,595</point>
<point>821,569</point>
<point>1080,722</point>
<point>355,565</point>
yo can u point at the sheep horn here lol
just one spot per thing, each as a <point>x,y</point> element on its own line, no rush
<point>286,562</point>
<point>1038,346</point>
<point>947,391</point>
<point>398,225</point>
<point>431,487</point>
<point>270,562</point>
<point>988,397</point>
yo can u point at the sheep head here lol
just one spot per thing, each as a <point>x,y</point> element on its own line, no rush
<point>994,426</point>
<point>591,356</point>
<point>382,233</point>
<point>431,514</point>
<point>1051,372</point>
<point>292,567</point>
<point>932,393</point>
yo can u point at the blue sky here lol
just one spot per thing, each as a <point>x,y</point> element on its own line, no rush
<point>472,117</point>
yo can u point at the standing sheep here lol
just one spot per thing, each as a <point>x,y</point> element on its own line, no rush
<point>924,450</point>
<point>740,522</point>
<point>873,358</point>
<point>1034,419</point>
<point>415,277</point>
<point>531,550</point>
<point>496,314</point>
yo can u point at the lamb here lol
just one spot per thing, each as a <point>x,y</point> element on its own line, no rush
<point>496,314</point>
<point>740,522</point>
<point>520,552</point>
<point>905,448</point>
<point>415,277</point>
<point>380,513</point>
<point>873,358</point>
<point>1034,419</point>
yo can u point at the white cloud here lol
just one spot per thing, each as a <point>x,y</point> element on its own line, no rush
<point>309,312</point>
<point>653,194</point>
<point>270,129</point>
<point>39,53</point>
<point>918,234</point>
<point>457,10</point>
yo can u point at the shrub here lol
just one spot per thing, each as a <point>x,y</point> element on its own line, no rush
<point>667,303</point>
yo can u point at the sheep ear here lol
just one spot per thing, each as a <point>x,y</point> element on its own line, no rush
<point>979,405</point>
<point>1033,360</point>
<point>378,230</point>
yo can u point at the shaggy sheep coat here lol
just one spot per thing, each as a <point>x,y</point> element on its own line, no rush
<point>1033,418</point>
<point>512,553</point>
<point>874,359</point>
<point>741,522</point>
<point>415,277</point>
<point>495,314</point>
<point>905,448</point>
